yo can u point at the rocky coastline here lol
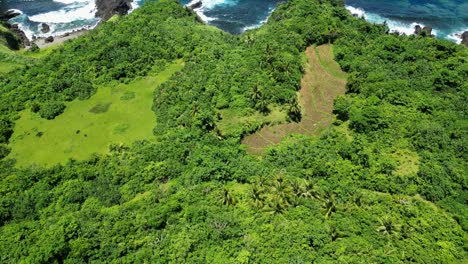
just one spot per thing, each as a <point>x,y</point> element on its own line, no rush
<point>108,8</point>
<point>105,10</point>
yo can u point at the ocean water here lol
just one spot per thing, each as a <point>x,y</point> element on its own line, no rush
<point>447,17</point>
<point>63,16</point>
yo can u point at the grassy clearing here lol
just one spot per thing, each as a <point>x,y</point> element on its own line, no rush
<point>231,122</point>
<point>407,162</point>
<point>322,82</point>
<point>90,126</point>
<point>326,59</point>
<point>9,59</point>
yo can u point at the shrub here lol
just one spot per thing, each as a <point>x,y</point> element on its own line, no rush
<point>50,110</point>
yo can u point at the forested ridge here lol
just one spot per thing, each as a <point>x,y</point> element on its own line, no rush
<point>385,183</point>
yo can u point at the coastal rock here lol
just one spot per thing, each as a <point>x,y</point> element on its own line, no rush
<point>428,30</point>
<point>49,39</point>
<point>425,31</point>
<point>9,15</point>
<point>417,30</point>
<point>19,34</point>
<point>464,37</point>
<point>107,8</point>
<point>195,5</point>
<point>45,28</point>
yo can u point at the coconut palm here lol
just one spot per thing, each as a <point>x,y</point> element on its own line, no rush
<point>310,190</point>
<point>256,194</point>
<point>281,189</point>
<point>387,226</point>
<point>228,198</point>
<point>277,205</point>
<point>256,94</point>
<point>294,111</point>
<point>328,205</point>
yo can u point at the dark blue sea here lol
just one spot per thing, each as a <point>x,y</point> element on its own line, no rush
<point>447,17</point>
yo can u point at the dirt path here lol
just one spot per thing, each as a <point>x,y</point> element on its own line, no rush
<point>323,81</point>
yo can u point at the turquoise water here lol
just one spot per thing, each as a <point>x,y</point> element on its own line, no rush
<point>63,16</point>
<point>447,17</point>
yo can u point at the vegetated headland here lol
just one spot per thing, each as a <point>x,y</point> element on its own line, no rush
<point>126,143</point>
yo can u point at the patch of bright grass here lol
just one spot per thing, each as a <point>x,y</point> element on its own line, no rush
<point>79,132</point>
<point>231,122</point>
<point>327,61</point>
<point>407,162</point>
<point>6,67</point>
<point>10,60</point>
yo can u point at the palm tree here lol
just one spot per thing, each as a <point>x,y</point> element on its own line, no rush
<point>256,194</point>
<point>261,182</point>
<point>294,111</point>
<point>228,198</point>
<point>296,188</point>
<point>309,189</point>
<point>256,94</point>
<point>334,233</point>
<point>277,205</point>
<point>387,226</point>
<point>262,106</point>
<point>281,189</point>
<point>329,205</point>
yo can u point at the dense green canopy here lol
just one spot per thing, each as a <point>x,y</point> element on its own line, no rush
<point>386,183</point>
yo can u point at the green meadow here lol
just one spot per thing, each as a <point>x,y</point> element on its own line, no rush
<point>114,115</point>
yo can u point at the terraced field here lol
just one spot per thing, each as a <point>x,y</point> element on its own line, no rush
<point>323,81</point>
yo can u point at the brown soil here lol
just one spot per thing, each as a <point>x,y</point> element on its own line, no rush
<point>318,90</point>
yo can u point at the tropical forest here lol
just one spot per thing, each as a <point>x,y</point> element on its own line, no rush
<point>155,138</point>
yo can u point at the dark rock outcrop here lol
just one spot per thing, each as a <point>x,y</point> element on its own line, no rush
<point>19,34</point>
<point>422,31</point>
<point>9,15</point>
<point>45,28</point>
<point>464,37</point>
<point>195,5</point>
<point>428,30</point>
<point>49,39</point>
<point>107,8</point>
<point>417,30</point>
<point>17,38</point>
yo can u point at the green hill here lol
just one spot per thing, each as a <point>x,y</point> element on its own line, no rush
<point>9,60</point>
<point>382,181</point>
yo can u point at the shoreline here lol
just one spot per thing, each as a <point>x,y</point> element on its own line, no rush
<point>42,42</point>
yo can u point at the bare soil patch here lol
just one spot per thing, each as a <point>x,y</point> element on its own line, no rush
<point>323,81</point>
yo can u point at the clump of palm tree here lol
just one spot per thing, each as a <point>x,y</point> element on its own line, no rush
<point>294,110</point>
<point>328,205</point>
<point>257,196</point>
<point>228,197</point>
<point>387,226</point>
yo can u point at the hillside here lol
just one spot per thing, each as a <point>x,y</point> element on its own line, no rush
<point>163,176</point>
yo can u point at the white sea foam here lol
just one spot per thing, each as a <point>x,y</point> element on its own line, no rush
<point>356,11</point>
<point>210,4</point>
<point>456,35</point>
<point>75,15</point>
<point>393,25</point>
<point>200,10</point>
<point>259,24</point>
<point>76,10</point>
<point>72,1</point>
<point>15,11</point>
